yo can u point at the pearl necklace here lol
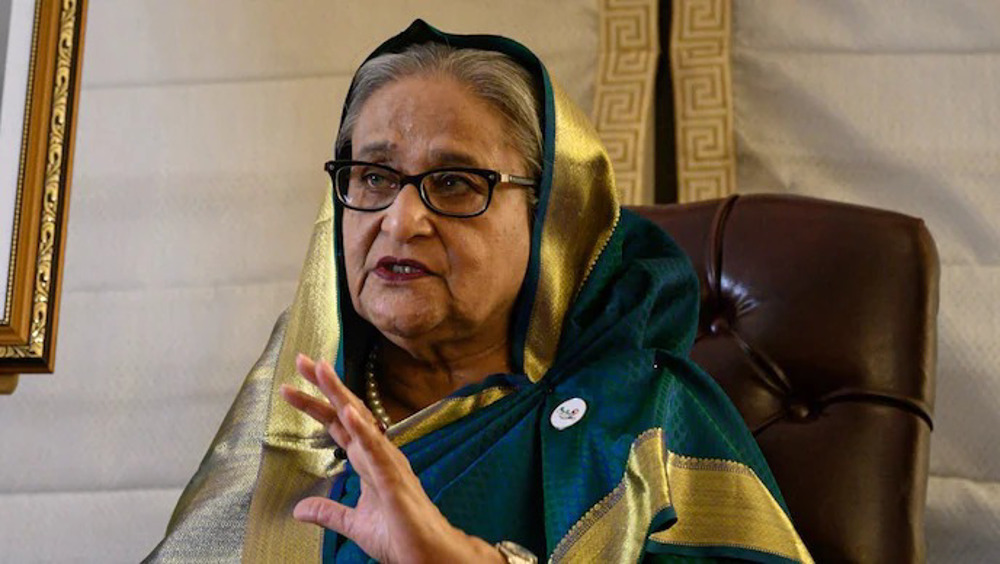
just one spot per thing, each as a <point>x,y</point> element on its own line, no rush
<point>374,401</point>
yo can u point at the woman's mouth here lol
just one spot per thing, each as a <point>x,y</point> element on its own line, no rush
<point>399,270</point>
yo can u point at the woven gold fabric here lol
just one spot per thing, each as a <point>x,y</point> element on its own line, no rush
<point>263,440</point>
<point>296,457</point>
<point>442,413</point>
<point>716,503</point>
<point>578,215</point>
<point>210,517</point>
<point>720,503</point>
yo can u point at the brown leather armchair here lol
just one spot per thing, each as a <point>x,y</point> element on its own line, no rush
<point>819,321</point>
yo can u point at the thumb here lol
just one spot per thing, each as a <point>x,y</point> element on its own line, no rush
<point>325,513</point>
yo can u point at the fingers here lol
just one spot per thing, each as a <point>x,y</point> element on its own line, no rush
<point>307,368</point>
<point>322,375</point>
<point>319,410</point>
<point>324,512</point>
<point>336,391</point>
<point>370,452</point>
<point>350,422</point>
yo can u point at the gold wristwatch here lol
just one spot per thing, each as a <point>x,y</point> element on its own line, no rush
<point>515,553</point>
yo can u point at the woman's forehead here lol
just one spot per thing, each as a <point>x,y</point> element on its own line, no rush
<point>435,119</point>
<point>382,150</point>
<point>426,102</point>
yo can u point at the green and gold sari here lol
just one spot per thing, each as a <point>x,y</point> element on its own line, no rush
<point>659,467</point>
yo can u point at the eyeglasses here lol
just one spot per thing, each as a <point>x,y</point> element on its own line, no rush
<point>452,191</point>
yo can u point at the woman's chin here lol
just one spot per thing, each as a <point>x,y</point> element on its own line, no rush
<point>406,325</point>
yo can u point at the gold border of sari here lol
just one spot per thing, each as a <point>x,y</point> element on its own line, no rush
<point>568,253</point>
<point>443,413</point>
<point>716,502</point>
<point>614,529</point>
<point>209,520</point>
<point>724,503</point>
<point>295,462</point>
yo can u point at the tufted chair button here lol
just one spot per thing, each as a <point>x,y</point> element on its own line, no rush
<point>719,325</point>
<point>799,410</point>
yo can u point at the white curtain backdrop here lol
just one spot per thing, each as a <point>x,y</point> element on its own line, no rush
<point>894,104</point>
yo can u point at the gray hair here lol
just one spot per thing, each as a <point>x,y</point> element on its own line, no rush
<point>492,76</point>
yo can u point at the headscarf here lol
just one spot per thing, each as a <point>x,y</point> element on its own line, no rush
<point>659,466</point>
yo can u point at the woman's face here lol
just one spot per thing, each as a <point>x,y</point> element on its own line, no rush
<point>463,274</point>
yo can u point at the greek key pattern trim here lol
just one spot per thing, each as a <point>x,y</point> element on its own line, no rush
<point>703,102</point>
<point>624,89</point>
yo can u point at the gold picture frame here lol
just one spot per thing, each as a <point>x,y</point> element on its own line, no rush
<point>39,92</point>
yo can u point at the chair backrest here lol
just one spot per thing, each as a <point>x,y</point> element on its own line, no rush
<point>819,320</point>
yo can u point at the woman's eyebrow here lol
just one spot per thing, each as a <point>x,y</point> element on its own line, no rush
<point>380,151</point>
<point>454,158</point>
<point>376,150</point>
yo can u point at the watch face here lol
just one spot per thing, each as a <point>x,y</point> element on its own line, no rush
<point>515,553</point>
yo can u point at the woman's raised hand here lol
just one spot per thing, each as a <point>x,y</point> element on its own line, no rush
<point>394,520</point>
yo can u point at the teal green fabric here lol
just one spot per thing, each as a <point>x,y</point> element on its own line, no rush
<point>504,472</point>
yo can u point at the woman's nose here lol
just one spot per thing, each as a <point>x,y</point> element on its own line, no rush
<point>407,217</point>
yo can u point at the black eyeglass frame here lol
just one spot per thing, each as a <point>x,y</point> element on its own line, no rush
<point>492,178</point>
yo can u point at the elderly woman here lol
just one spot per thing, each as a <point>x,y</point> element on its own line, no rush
<point>510,376</point>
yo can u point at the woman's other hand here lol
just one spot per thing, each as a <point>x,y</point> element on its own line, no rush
<point>394,520</point>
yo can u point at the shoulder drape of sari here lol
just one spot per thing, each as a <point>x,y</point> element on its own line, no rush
<point>660,467</point>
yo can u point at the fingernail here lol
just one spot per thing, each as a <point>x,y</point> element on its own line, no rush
<point>300,511</point>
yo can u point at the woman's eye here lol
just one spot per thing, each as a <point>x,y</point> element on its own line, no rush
<point>452,185</point>
<point>375,180</point>
<point>455,182</point>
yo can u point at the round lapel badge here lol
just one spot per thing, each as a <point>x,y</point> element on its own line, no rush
<point>568,413</point>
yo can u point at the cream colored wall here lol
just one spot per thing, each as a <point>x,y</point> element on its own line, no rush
<point>202,130</point>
